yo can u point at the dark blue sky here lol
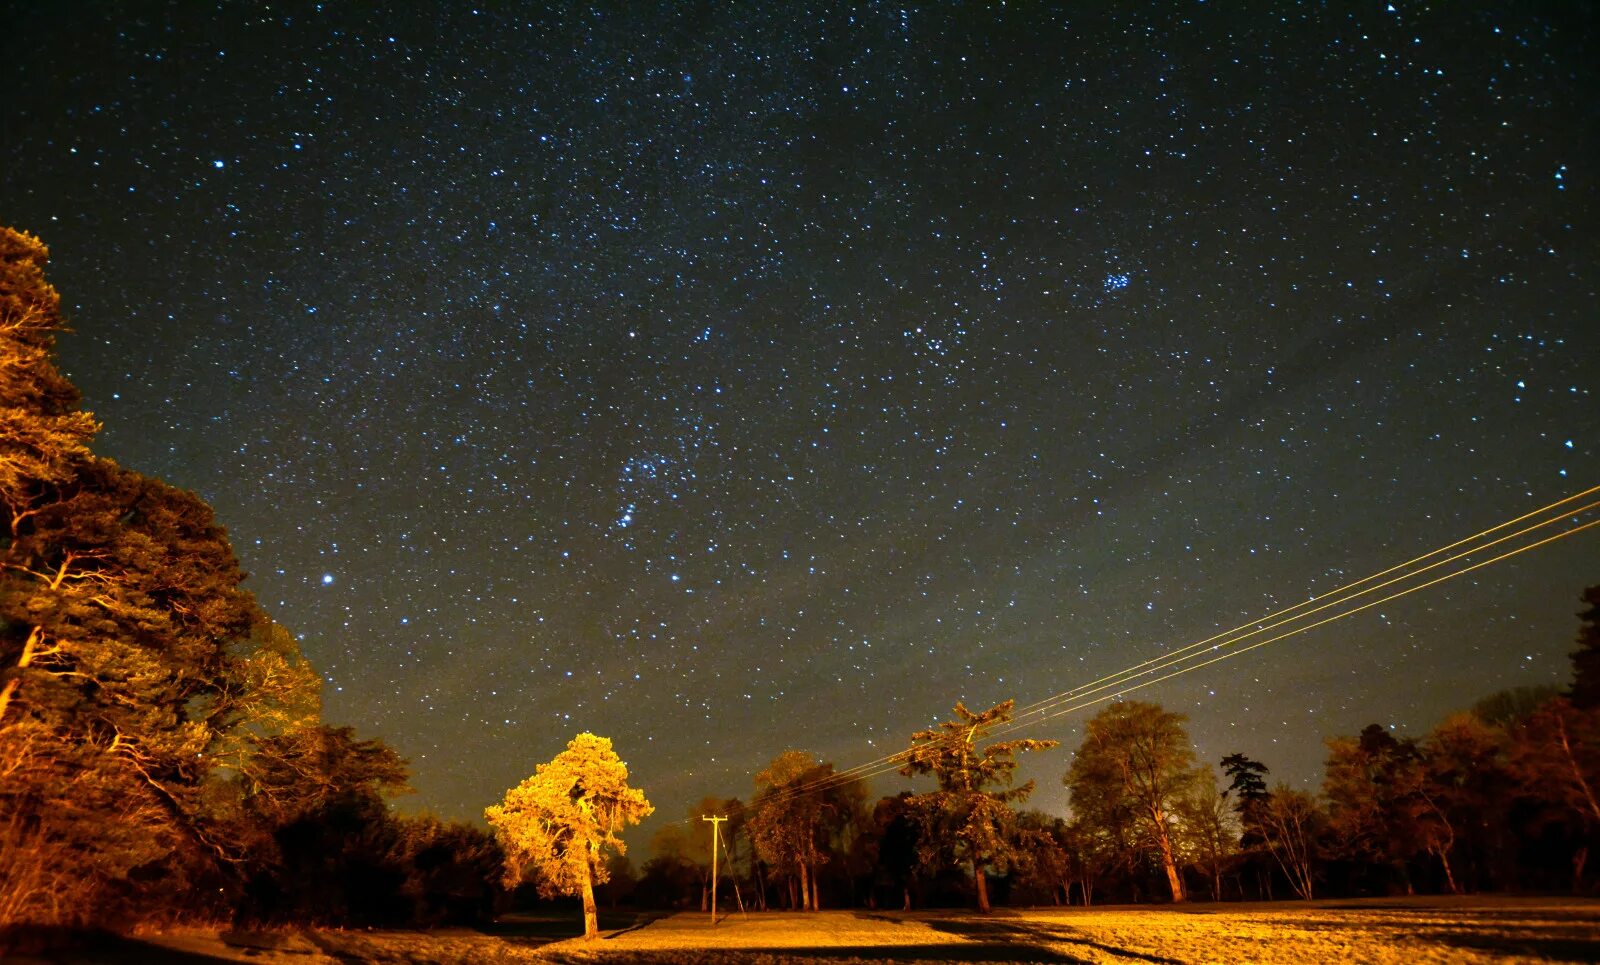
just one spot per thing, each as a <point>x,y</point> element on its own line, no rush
<point>726,379</point>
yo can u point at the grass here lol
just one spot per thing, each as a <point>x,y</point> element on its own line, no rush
<point>1385,932</point>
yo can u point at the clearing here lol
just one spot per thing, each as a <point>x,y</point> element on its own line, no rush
<point>1399,930</point>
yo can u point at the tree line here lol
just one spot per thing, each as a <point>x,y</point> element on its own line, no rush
<point>1499,797</point>
<point>162,750</point>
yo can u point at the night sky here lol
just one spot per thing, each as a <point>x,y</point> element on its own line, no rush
<point>730,379</point>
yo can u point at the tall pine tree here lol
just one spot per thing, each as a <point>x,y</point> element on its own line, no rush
<point>969,815</point>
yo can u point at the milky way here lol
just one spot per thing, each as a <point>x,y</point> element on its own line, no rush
<point>730,379</point>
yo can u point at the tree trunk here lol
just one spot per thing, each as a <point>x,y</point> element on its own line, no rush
<point>1449,876</point>
<point>1579,859</point>
<point>906,893</point>
<point>1174,879</point>
<point>29,647</point>
<point>591,920</point>
<point>816,899</point>
<point>983,887</point>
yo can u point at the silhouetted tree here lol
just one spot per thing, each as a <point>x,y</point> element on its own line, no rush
<point>897,834</point>
<point>1247,785</point>
<point>1507,708</point>
<point>1586,659</point>
<point>1554,759</point>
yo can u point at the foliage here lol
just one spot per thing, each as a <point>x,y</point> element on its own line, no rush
<point>801,815</point>
<point>558,825</point>
<point>1291,826</point>
<point>1207,829</point>
<point>1136,764</point>
<point>1586,659</point>
<point>148,708</point>
<point>1507,708</point>
<point>43,433</point>
<point>890,848</point>
<point>967,818</point>
<point>1043,866</point>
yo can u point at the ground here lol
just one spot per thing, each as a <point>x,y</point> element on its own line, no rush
<point>1438,930</point>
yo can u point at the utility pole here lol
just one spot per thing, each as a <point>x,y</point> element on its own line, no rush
<point>716,828</point>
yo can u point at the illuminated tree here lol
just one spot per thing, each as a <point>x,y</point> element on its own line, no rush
<point>558,825</point>
<point>968,818</point>
<point>1364,783</point>
<point>137,663</point>
<point>143,693</point>
<point>1464,785</point>
<point>1136,758</point>
<point>43,433</point>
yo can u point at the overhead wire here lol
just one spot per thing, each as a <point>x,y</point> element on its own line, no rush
<point>1224,644</point>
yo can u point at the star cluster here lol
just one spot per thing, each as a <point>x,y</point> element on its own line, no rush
<point>726,380</point>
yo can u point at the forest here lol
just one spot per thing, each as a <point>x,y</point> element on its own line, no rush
<point>163,758</point>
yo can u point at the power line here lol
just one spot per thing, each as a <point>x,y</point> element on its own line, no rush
<point>1173,657</point>
<point>1080,697</point>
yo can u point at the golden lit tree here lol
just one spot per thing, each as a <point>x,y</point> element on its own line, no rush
<point>557,825</point>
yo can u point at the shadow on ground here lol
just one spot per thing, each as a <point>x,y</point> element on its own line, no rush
<point>93,948</point>
<point>1528,943</point>
<point>1035,935</point>
<point>951,952</point>
<point>527,929</point>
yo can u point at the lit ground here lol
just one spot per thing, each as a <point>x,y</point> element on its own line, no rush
<point>1466,930</point>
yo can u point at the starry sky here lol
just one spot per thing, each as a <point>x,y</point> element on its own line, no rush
<point>725,379</point>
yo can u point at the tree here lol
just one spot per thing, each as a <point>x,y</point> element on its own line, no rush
<point>1363,782</point>
<point>1586,659</point>
<point>799,808</point>
<point>1092,846</point>
<point>1246,782</point>
<point>1554,759</point>
<point>896,838</point>
<point>142,689</point>
<point>1138,755</point>
<point>1507,708</point>
<point>43,433</point>
<point>136,661</point>
<point>1043,865</point>
<point>1291,822</point>
<point>558,825</point>
<point>969,815</point>
<point>1248,786</point>
<point>1208,829</point>
<point>1382,808</point>
<point>1464,782</point>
